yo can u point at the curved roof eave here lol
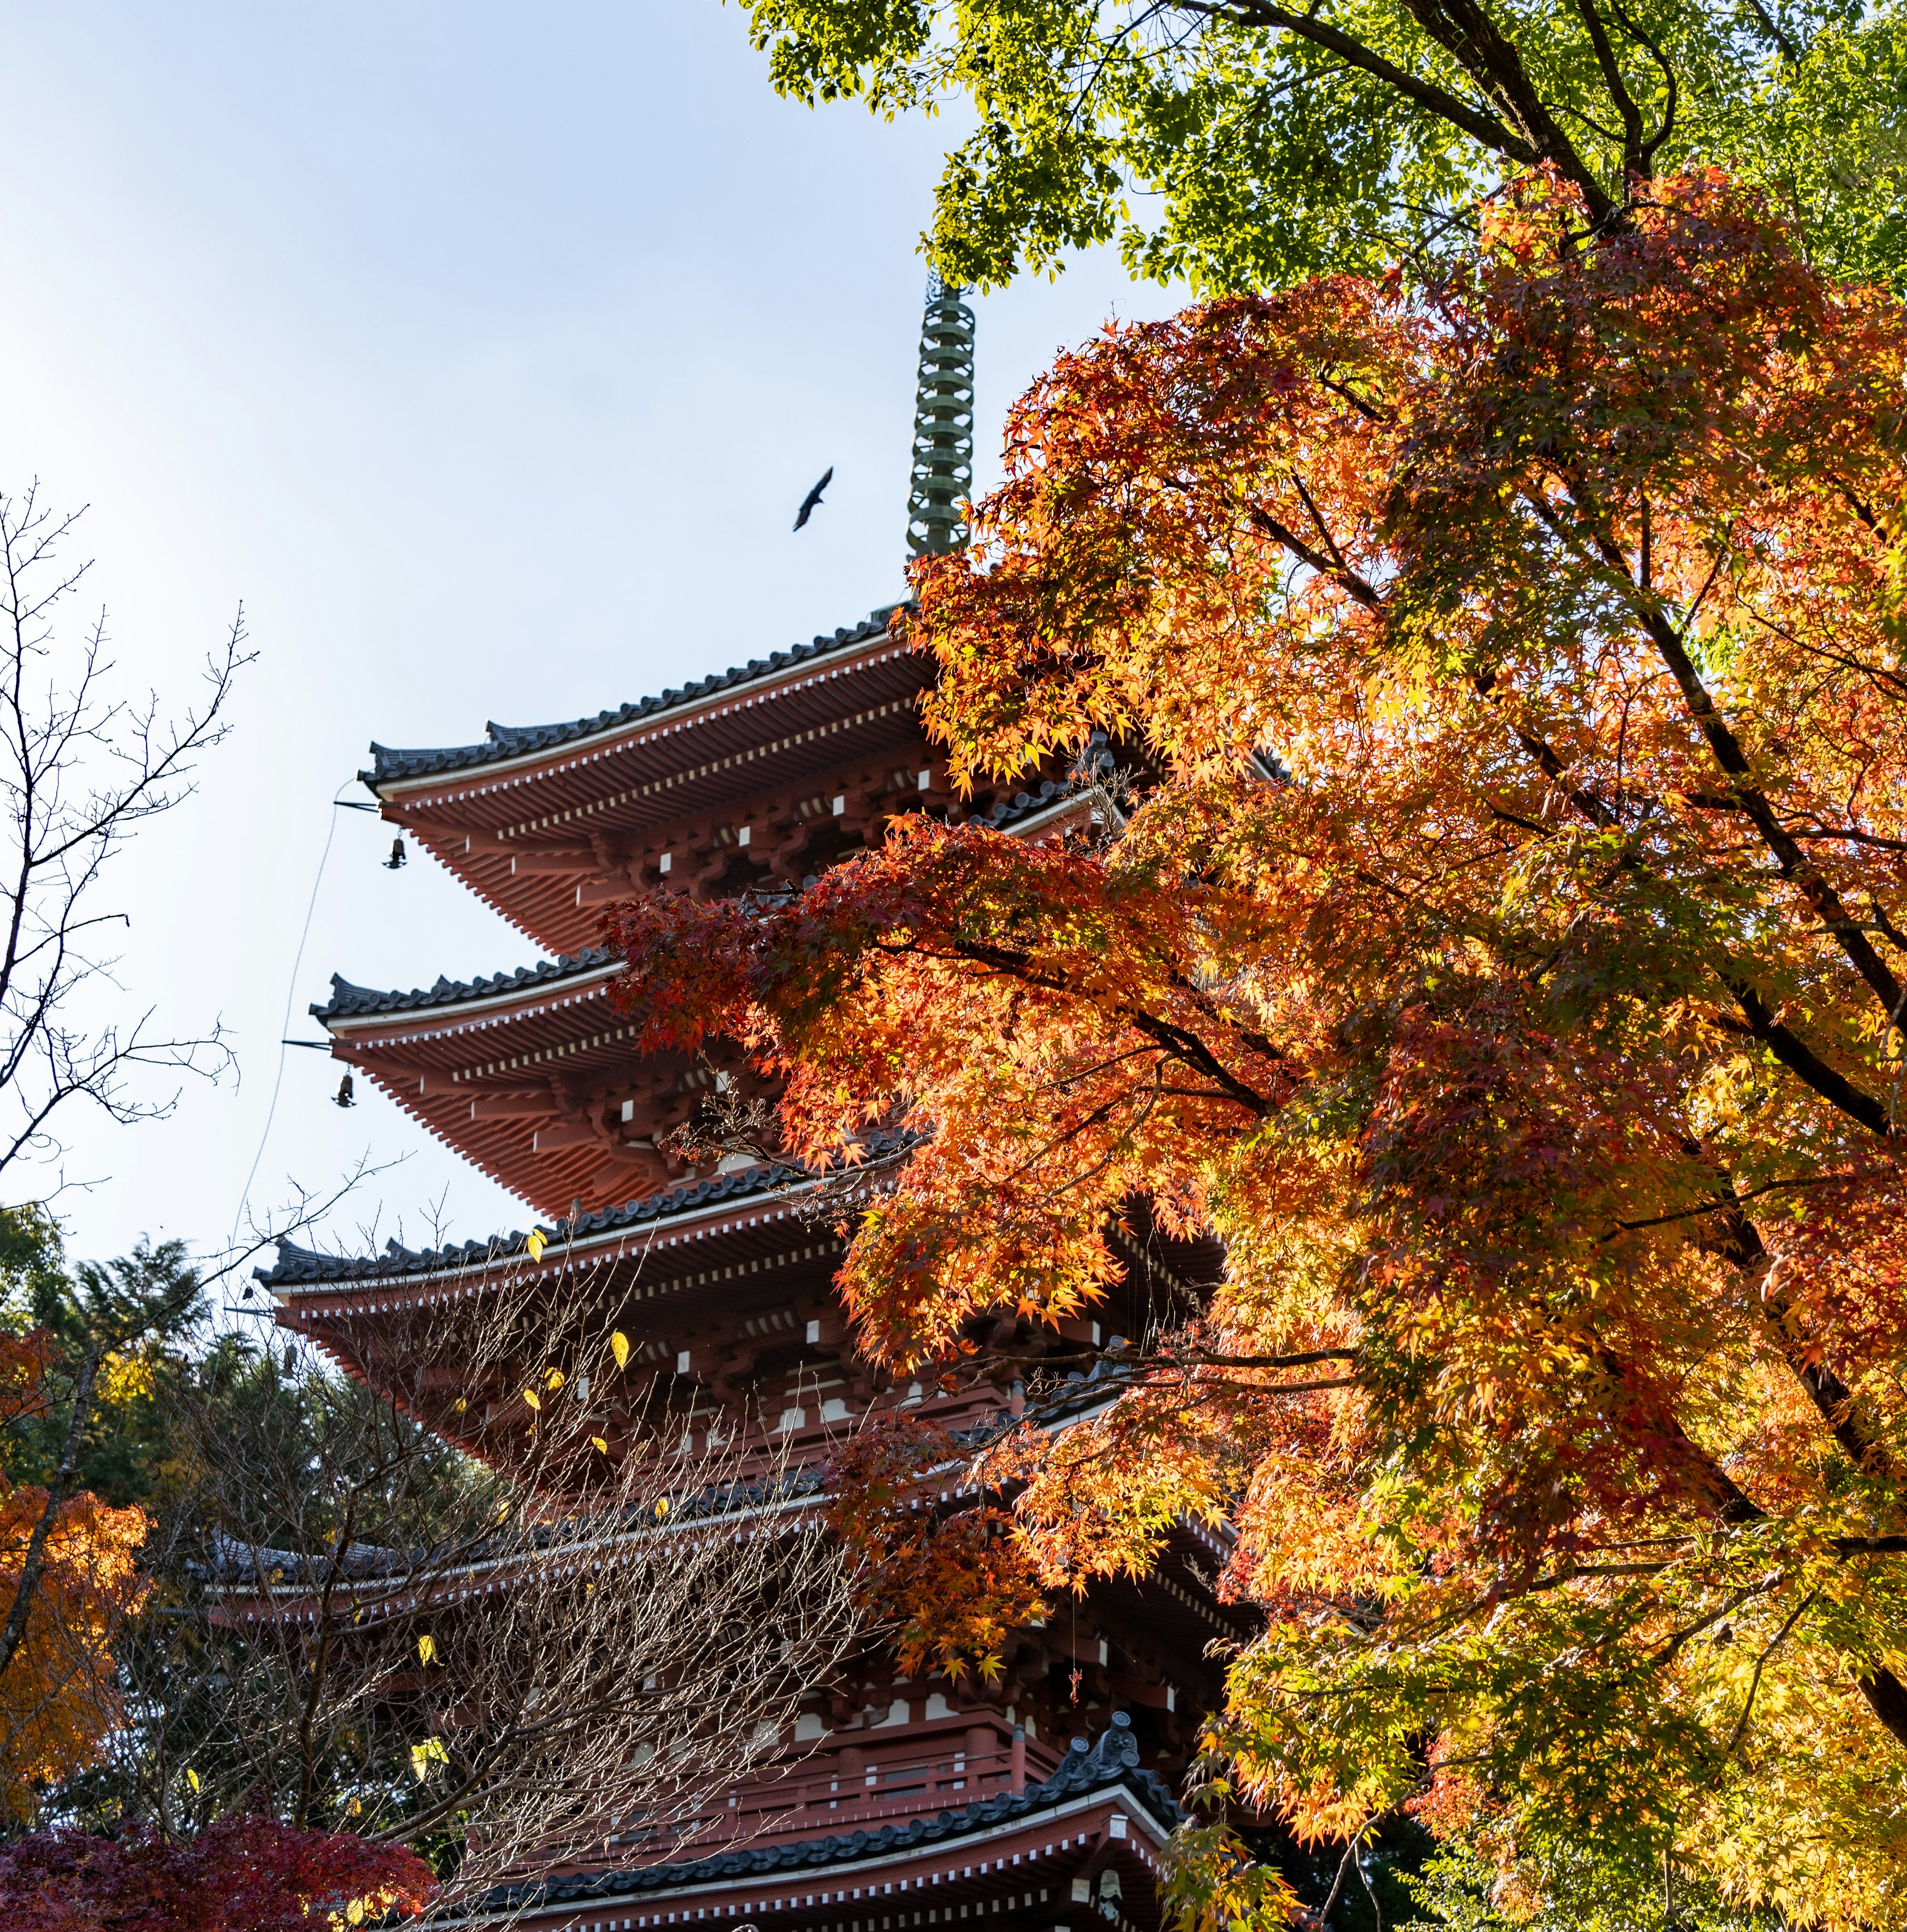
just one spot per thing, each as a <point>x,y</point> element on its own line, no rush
<point>306,1270</point>
<point>349,1002</point>
<point>1025,813</point>
<point>1084,1775</point>
<point>510,747</point>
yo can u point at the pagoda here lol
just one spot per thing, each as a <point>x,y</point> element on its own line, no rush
<point>1042,1800</point>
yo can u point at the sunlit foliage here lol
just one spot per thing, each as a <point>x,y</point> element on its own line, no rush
<point>1500,951</point>
<point>1252,144</point>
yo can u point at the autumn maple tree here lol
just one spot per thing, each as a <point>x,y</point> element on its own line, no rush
<point>59,1699</point>
<point>241,1874</point>
<point>69,1578</point>
<point>1495,941</point>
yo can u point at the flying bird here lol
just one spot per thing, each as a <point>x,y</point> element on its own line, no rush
<point>813,497</point>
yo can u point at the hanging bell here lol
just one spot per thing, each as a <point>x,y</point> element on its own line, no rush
<point>345,1099</point>
<point>396,860</point>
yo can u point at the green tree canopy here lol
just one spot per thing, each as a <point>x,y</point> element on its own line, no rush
<point>1242,143</point>
<point>147,1308</point>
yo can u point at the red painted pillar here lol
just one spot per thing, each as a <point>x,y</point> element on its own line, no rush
<point>1019,1759</point>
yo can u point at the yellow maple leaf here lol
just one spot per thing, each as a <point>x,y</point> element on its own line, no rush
<point>122,1378</point>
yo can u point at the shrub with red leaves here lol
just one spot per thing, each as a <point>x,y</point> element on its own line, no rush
<point>239,1875</point>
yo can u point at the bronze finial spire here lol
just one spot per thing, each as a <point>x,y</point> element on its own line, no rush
<point>943,424</point>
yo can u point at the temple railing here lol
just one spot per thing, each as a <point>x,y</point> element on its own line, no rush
<point>826,1797</point>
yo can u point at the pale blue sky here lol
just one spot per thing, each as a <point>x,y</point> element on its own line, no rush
<point>485,352</point>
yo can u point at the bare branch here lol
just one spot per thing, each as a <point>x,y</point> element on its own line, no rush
<point>80,772</point>
<point>593,1633</point>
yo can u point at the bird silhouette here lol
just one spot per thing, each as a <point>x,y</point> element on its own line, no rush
<point>813,497</point>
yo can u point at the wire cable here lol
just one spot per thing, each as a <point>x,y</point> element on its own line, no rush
<point>291,993</point>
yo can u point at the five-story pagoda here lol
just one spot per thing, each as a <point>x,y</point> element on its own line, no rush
<point>1038,1800</point>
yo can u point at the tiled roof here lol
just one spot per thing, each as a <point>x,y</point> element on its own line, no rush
<point>306,1268</point>
<point>1113,1760</point>
<point>298,1267</point>
<point>234,1564</point>
<point>350,1002</point>
<point>1023,804</point>
<point>1095,766</point>
<point>510,741</point>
